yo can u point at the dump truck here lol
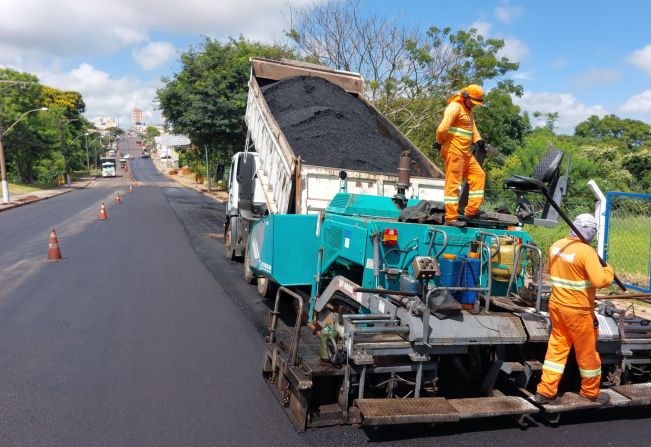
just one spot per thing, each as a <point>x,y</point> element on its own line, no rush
<point>306,127</point>
<point>397,318</point>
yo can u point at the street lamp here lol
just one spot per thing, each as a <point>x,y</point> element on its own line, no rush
<point>73,142</point>
<point>3,165</point>
<point>64,150</point>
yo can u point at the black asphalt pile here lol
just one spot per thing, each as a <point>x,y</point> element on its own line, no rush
<point>326,126</point>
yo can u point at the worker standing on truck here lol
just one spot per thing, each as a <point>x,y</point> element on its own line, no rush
<point>576,274</point>
<point>454,136</point>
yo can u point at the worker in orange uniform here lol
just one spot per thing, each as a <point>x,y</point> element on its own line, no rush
<point>576,274</point>
<point>454,136</point>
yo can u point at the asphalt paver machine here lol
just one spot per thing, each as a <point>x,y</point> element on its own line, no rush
<point>399,319</point>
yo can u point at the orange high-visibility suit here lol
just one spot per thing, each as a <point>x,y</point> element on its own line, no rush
<point>576,274</point>
<point>456,133</point>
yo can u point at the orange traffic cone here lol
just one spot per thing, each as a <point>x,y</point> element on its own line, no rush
<point>117,199</point>
<point>130,188</point>
<point>102,213</point>
<point>53,252</point>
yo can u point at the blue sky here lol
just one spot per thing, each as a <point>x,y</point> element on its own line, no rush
<point>576,57</point>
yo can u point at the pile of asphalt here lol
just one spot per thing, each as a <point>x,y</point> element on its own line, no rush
<point>326,126</point>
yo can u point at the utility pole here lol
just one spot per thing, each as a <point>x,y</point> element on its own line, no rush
<point>87,158</point>
<point>3,166</point>
<point>207,168</point>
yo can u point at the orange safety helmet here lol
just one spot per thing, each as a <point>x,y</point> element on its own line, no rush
<point>474,93</point>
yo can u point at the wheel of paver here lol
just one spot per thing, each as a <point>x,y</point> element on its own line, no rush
<point>249,276</point>
<point>230,251</point>
<point>266,287</point>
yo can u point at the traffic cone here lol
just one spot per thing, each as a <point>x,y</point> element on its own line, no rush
<point>130,188</point>
<point>117,199</point>
<point>102,213</point>
<point>53,252</point>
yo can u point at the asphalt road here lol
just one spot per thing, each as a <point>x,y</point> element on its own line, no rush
<point>146,335</point>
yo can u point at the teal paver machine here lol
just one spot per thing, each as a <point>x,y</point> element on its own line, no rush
<point>400,319</point>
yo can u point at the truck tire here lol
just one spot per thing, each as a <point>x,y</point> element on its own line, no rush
<point>249,276</point>
<point>228,243</point>
<point>266,287</point>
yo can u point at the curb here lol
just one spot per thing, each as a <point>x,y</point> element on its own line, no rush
<point>11,206</point>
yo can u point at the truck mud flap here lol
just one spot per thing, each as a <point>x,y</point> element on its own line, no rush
<point>632,395</point>
<point>439,409</point>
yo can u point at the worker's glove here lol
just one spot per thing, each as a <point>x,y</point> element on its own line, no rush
<point>481,144</point>
<point>436,146</point>
<point>595,323</point>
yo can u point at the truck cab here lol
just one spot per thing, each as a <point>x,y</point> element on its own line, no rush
<point>246,202</point>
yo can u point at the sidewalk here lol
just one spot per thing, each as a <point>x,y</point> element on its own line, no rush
<point>36,196</point>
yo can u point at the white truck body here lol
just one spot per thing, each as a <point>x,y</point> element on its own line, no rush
<point>108,170</point>
<point>280,169</point>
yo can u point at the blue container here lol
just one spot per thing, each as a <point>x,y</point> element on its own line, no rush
<point>450,270</point>
<point>469,278</point>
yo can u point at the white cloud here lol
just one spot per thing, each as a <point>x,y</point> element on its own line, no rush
<point>63,28</point>
<point>506,13</point>
<point>104,95</point>
<point>154,55</point>
<point>483,28</point>
<point>570,111</point>
<point>561,62</point>
<point>595,77</point>
<point>641,58</point>
<point>514,49</point>
<point>523,76</point>
<point>638,103</point>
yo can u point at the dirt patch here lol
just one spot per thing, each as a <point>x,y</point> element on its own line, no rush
<point>326,126</point>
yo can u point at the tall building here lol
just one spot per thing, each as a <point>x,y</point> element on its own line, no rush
<point>136,117</point>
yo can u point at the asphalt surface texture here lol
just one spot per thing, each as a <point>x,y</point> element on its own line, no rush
<point>145,335</point>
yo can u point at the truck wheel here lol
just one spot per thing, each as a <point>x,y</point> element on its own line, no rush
<point>249,276</point>
<point>228,243</point>
<point>266,287</point>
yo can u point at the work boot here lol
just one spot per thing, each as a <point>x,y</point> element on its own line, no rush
<point>601,399</point>
<point>479,215</point>
<point>455,223</point>
<point>540,399</point>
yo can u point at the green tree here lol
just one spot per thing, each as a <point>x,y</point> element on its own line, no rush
<point>206,99</point>
<point>632,132</point>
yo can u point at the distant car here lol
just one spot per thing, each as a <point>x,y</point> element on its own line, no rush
<point>123,162</point>
<point>127,155</point>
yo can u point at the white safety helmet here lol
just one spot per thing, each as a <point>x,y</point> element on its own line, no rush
<point>585,220</point>
<point>587,226</point>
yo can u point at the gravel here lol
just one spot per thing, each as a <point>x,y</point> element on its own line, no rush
<point>326,126</point>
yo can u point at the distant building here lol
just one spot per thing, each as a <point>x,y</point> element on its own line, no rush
<point>102,123</point>
<point>136,117</point>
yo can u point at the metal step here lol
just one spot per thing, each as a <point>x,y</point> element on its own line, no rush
<point>482,407</point>
<point>439,409</point>
<point>406,411</point>
<point>638,393</point>
<point>620,396</point>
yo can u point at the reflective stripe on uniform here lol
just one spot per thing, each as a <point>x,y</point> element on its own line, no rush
<point>460,132</point>
<point>590,372</point>
<point>569,284</point>
<point>479,193</point>
<point>451,199</point>
<point>553,366</point>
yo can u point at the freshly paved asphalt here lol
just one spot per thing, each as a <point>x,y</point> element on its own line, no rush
<point>146,335</point>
